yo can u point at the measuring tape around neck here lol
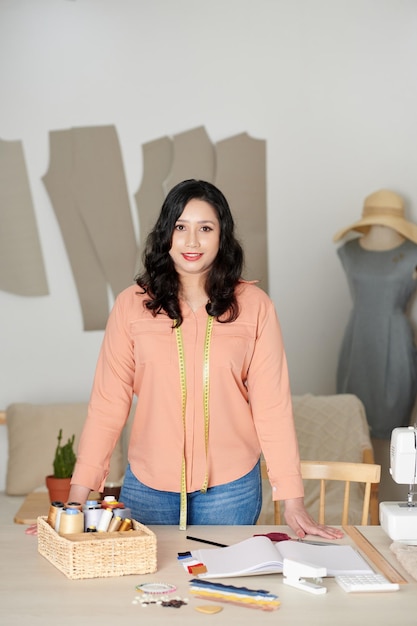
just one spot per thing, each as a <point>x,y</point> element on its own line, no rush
<point>206,387</point>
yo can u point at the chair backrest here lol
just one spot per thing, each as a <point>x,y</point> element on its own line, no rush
<point>366,473</point>
<point>323,471</point>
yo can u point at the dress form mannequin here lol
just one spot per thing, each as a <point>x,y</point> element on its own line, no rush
<point>380,238</point>
<point>378,357</point>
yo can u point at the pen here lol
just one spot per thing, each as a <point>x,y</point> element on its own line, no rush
<point>212,543</point>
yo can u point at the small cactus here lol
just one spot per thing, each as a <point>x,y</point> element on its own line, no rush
<point>65,458</point>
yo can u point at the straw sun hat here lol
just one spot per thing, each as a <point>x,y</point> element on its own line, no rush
<point>384,208</point>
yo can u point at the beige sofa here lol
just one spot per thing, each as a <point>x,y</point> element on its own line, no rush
<point>330,427</point>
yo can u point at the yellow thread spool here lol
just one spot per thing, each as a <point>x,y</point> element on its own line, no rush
<point>71,522</point>
<point>126,524</point>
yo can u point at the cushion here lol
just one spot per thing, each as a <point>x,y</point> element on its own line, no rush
<point>332,428</point>
<point>32,431</point>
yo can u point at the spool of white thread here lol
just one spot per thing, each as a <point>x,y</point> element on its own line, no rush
<point>58,518</point>
<point>104,522</point>
<point>92,516</point>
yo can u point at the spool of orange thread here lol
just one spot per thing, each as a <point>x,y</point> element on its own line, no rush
<point>126,524</point>
<point>52,513</point>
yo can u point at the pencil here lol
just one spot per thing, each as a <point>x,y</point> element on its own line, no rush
<point>211,543</point>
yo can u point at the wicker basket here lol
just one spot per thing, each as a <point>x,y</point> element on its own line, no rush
<point>99,555</point>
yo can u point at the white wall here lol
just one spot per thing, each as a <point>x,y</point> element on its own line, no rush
<point>330,84</point>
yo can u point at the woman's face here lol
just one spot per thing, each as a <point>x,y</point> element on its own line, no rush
<point>196,237</point>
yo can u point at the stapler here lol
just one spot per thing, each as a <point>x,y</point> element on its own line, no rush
<point>295,573</point>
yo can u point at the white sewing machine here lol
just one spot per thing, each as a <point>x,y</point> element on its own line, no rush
<point>399,519</point>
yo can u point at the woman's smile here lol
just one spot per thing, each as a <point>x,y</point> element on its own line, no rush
<point>192,256</point>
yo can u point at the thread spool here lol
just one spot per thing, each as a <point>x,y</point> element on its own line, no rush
<point>59,512</point>
<point>92,516</point>
<point>115,523</point>
<point>74,505</point>
<point>109,502</point>
<point>123,512</point>
<point>54,506</point>
<point>103,525</point>
<point>126,524</point>
<point>71,522</point>
<point>90,504</point>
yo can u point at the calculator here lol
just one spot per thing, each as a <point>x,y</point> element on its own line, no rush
<point>365,582</point>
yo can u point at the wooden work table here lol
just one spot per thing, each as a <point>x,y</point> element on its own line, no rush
<point>34,592</point>
<point>34,505</point>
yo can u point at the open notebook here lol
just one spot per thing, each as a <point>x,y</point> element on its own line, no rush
<point>259,555</point>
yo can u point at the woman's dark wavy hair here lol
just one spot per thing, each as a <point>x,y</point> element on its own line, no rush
<point>160,279</point>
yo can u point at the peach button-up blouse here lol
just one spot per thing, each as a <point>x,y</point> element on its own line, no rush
<point>250,405</point>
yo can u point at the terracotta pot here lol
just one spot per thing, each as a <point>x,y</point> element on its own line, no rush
<point>58,488</point>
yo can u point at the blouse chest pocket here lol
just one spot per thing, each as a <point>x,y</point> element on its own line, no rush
<point>153,341</point>
<point>232,346</point>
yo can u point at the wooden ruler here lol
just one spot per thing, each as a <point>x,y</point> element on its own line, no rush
<point>374,555</point>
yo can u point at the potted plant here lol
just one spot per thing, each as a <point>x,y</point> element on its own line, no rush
<point>58,483</point>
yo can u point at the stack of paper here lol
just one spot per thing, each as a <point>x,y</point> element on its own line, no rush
<point>259,555</point>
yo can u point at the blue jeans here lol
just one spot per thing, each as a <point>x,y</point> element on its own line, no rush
<point>236,503</point>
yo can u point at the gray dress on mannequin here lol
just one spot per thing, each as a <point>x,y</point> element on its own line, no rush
<point>378,357</point>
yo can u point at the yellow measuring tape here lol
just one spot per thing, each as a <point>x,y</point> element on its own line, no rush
<point>206,389</point>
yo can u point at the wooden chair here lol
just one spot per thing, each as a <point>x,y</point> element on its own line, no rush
<point>367,473</point>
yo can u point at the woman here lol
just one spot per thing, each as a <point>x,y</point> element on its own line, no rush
<point>202,351</point>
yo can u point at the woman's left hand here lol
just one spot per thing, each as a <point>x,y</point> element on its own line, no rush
<point>302,524</point>
<point>31,530</point>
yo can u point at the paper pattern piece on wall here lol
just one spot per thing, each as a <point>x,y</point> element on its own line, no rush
<point>22,269</point>
<point>87,187</point>
<point>89,279</point>
<point>241,175</point>
<point>193,157</point>
<point>237,165</point>
<point>103,201</point>
<point>157,159</point>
